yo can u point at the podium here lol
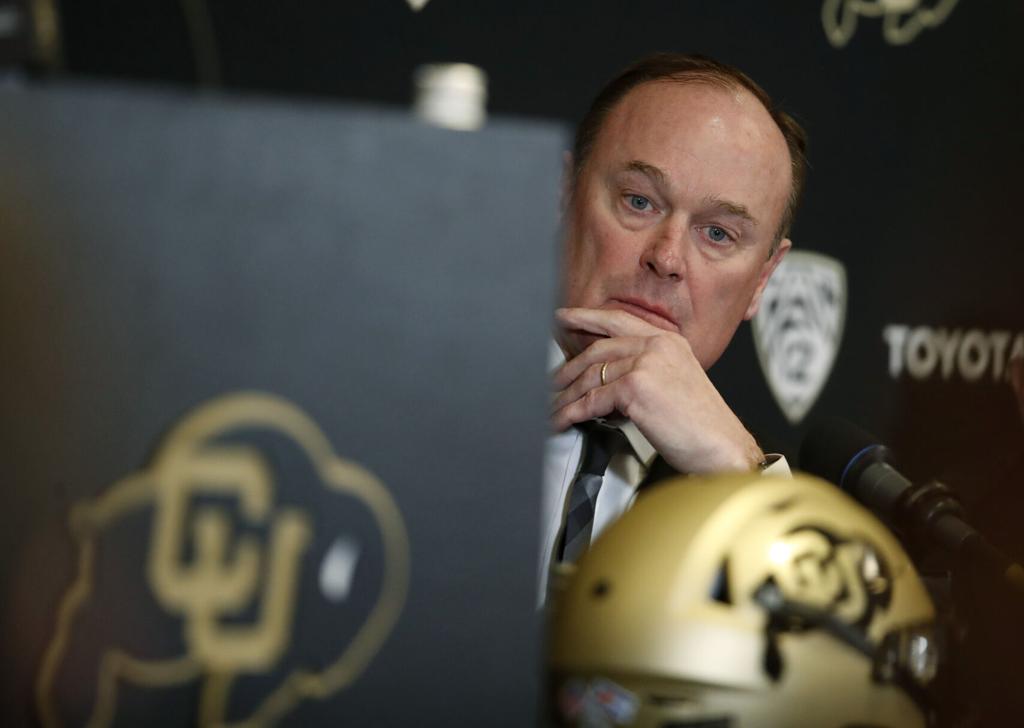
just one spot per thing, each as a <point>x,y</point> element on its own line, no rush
<point>273,407</point>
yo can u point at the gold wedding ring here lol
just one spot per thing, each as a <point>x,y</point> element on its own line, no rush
<point>604,371</point>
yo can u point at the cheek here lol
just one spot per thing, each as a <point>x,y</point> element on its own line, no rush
<point>720,302</point>
<point>575,270</point>
<point>592,256</point>
<point>613,250</point>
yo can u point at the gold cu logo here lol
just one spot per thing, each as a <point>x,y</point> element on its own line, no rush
<point>212,585</point>
<point>226,575</point>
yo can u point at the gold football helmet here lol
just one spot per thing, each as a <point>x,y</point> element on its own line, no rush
<point>743,601</point>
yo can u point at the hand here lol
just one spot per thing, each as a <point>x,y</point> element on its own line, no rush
<point>654,379</point>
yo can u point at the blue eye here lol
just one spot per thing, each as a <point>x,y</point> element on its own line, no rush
<point>717,234</point>
<point>639,202</point>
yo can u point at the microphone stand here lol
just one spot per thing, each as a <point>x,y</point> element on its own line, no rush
<point>984,629</point>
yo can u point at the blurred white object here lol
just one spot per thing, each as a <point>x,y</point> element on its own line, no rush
<point>417,5</point>
<point>452,95</point>
<point>338,568</point>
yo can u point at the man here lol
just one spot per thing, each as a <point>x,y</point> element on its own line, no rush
<point>679,196</point>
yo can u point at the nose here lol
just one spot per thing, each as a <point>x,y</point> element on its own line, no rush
<point>663,255</point>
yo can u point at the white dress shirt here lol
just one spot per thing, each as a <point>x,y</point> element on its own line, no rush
<point>618,488</point>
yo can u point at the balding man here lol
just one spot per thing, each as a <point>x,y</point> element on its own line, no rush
<point>679,198</point>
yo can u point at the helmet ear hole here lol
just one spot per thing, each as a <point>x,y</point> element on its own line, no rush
<point>720,586</point>
<point>600,589</point>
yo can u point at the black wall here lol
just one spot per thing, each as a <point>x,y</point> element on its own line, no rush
<point>915,155</point>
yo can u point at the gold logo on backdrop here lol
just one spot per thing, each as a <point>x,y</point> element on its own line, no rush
<point>226,575</point>
<point>902,20</point>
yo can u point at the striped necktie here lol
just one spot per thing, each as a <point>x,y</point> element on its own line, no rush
<point>600,443</point>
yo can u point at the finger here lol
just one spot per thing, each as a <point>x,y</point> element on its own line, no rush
<point>598,402</point>
<point>600,351</point>
<point>604,322</point>
<point>591,379</point>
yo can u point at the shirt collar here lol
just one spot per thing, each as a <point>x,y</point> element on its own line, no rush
<point>644,450</point>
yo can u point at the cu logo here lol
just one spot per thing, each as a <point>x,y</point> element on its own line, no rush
<point>191,575</point>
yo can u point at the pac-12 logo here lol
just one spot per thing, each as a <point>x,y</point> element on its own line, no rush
<point>246,570</point>
<point>798,329</point>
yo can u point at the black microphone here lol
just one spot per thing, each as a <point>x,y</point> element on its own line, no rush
<point>842,453</point>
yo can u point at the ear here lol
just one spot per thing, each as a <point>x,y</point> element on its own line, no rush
<point>767,268</point>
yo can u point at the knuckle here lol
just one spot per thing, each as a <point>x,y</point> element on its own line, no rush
<point>634,381</point>
<point>656,344</point>
<point>645,360</point>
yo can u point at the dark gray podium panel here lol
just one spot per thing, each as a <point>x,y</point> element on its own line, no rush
<point>272,411</point>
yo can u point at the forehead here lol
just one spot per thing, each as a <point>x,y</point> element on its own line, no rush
<point>704,137</point>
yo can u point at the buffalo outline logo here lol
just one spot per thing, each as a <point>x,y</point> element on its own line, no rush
<point>213,585</point>
<point>798,329</point>
<point>844,577</point>
<point>902,20</point>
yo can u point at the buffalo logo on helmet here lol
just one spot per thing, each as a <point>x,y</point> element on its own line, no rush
<point>845,578</point>
<point>245,571</point>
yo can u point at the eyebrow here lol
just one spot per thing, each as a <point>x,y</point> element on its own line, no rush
<point>657,176</point>
<point>648,170</point>
<point>731,208</point>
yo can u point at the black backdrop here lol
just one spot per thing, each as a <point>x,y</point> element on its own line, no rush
<point>915,158</point>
